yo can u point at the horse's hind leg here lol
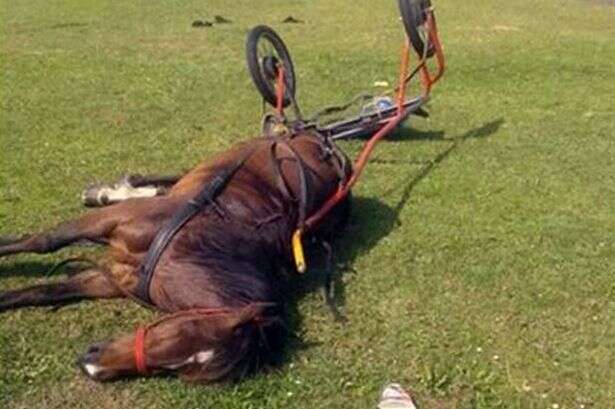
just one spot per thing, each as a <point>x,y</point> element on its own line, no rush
<point>166,181</point>
<point>90,283</point>
<point>129,187</point>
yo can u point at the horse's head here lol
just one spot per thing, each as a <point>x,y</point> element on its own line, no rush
<point>197,346</point>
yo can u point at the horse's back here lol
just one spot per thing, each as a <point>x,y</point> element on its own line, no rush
<point>228,252</point>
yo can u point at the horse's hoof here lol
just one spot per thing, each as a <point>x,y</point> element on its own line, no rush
<point>95,196</point>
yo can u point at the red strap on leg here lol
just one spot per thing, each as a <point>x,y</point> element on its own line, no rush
<point>139,351</point>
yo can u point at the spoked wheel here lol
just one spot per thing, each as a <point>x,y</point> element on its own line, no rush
<point>414,16</point>
<point>266,52</point>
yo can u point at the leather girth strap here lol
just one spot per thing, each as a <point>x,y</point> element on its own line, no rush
<point>204,198</point>
<point>302,200</point>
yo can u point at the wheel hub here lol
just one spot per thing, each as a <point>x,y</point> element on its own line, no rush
<point>270,67</point>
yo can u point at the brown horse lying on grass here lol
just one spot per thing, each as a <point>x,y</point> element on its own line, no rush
<point>217,279</point>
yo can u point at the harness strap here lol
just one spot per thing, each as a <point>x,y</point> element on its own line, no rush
<point>303,193</point>
<point>340,164</point>
<point>281,181</point>
<point>331,150</point>
<point>277,171</point>
<point>185,213</point>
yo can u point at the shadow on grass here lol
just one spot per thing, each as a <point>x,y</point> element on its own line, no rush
<point>372,220</point>
<point>35,268</point>
<point>32,269</point>
<point>484,131</point>
<point>405,133</point>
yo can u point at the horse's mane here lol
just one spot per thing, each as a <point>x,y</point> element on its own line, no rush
<point>241,273</point>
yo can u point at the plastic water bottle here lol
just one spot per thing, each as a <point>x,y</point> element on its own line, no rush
<point>378,105</point>
<point>384,103</point>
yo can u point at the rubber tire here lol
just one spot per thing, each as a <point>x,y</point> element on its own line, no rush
<point>413,15</point>
<point>262,84</point>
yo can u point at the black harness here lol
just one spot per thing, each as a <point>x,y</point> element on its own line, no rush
<point>206,197</point>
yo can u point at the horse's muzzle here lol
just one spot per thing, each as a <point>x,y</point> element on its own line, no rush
<point>90,363</point>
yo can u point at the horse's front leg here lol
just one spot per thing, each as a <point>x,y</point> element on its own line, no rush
<point>93,227</point>
<point>197,346</point>
<point>88,284</point>
<point>4,240</point>
<point>129,187</point>
<point>97,226</point>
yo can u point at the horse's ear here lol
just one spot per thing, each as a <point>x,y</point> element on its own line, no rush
<point>230,346</point>
<point>251,313</point>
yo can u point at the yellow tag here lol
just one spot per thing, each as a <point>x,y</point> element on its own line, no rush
<point>298,251</point>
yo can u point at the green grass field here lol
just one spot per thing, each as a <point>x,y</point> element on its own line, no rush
<point>481,247</point>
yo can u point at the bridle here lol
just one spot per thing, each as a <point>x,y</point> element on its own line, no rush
<point>141,332</point>
<point>139,350</point>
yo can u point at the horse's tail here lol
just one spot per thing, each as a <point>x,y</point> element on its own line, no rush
<point>246,340</point>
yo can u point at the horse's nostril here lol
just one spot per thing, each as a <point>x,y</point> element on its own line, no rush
<point>90,361</point>
<point>93,352</point>
<point>93,349</point>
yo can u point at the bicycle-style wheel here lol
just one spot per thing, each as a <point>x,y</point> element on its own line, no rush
<point>266,52</point>
<point>414,16</point>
